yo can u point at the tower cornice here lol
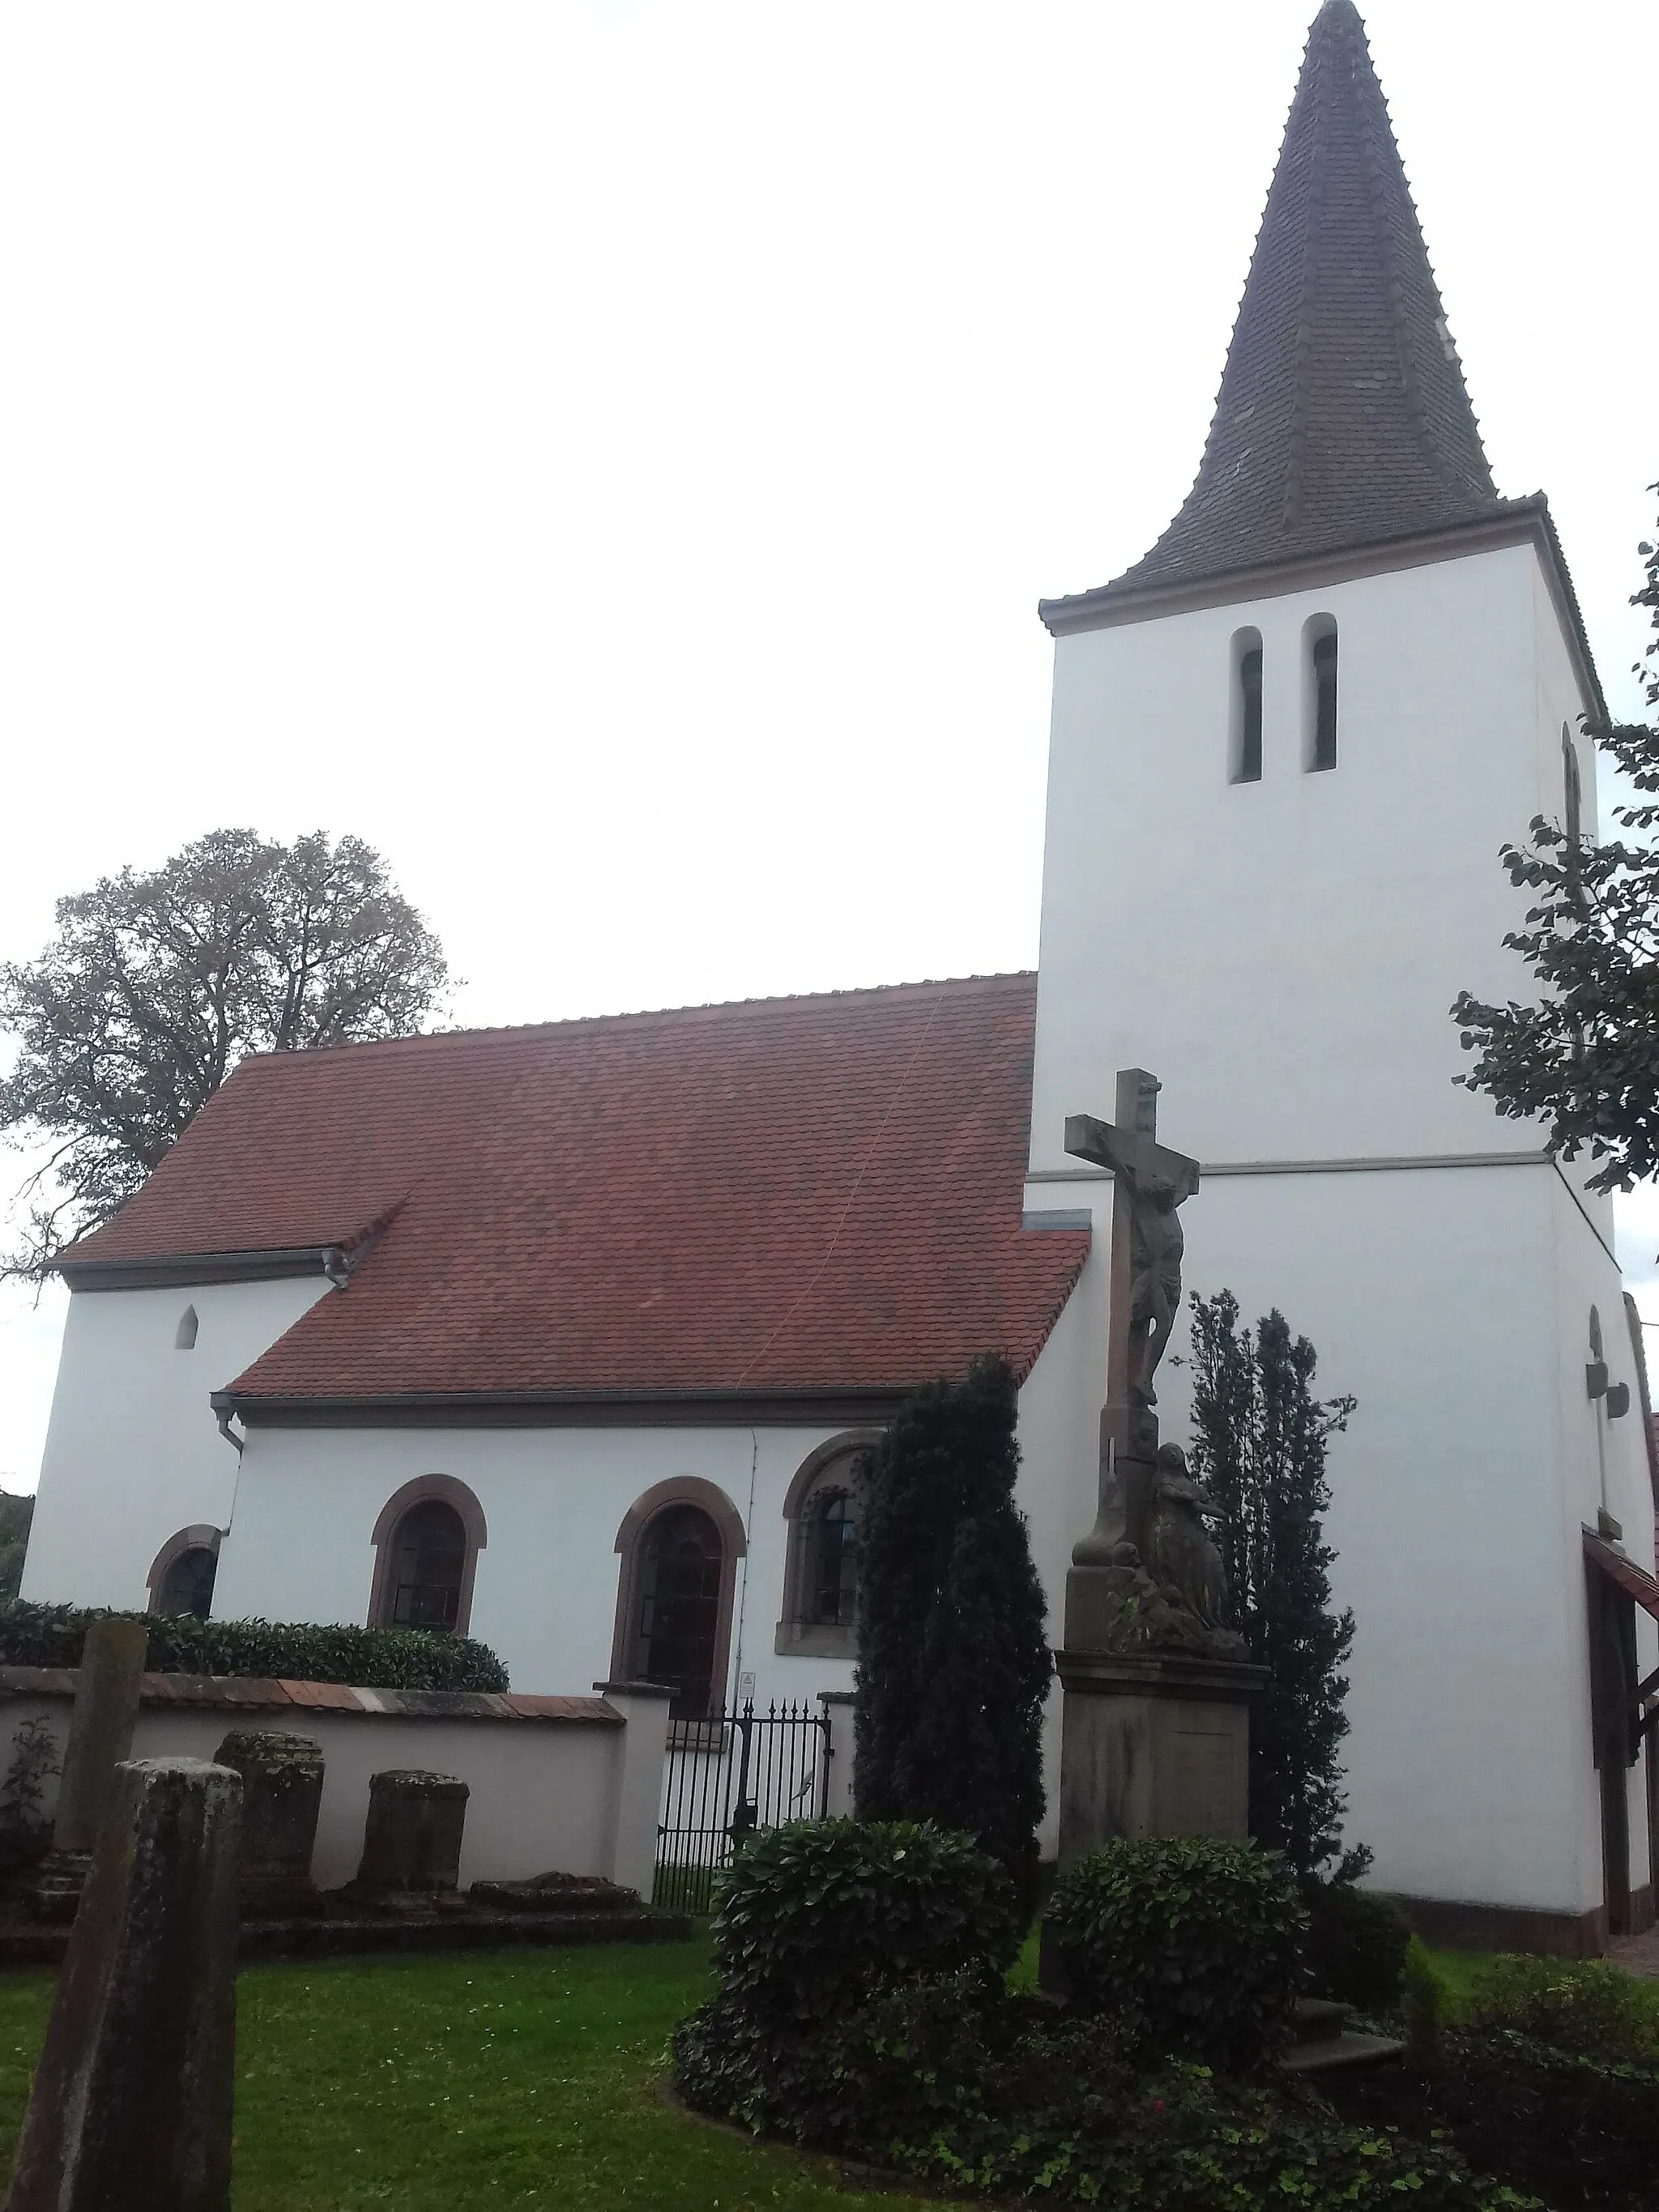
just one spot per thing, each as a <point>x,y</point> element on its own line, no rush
<point>1514,522</point>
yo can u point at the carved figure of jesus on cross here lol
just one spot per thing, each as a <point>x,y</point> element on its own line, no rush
<point>1150,1184</point>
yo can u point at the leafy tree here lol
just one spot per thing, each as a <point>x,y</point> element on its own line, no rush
<point>155,985</point>
<point>16,1518</point>
<point>1259,1442</point>
<point>953,1665</point>
<point>1585,1058</point>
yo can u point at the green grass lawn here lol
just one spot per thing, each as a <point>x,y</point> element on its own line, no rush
<point>458,2084</point>
<point>489,2080</point>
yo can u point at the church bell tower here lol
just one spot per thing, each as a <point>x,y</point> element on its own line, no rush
<point>1286,746</point>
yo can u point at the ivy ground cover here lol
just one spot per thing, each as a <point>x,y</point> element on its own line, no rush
<point>473,2083</point>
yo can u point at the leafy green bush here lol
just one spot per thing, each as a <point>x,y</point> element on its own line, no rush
<point>820,1913</point>
<point>816,1919</point>
<point>962,2088</point>
<point>1195,1939</point>
<point>1356,1945</point>
<point>179,1643</point>
<point>1587,2007</point>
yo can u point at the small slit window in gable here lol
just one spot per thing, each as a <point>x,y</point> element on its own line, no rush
<point>1319,692</point>
<point>1244,729</point>
<point>185,1336</point>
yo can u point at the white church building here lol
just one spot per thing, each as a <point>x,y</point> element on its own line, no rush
<point>566,1336</point>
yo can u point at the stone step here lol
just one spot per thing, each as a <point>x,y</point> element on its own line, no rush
<point>1349,2049</point>
<point>1319,2019</point>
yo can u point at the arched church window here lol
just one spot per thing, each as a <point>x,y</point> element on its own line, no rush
<point>427,1542</point>
<point>820,1582</point>
<point>181,1574</point>
<point>1244,727</point>
<point>679,1547</point>
<point>829,1583</point>
<point>428,1557</point>
<point>184,1339</point>
<point>677,1607</point>
<point>1319,692</point>
<point>188,1587</point>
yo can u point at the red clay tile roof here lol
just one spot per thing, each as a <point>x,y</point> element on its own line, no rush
<point>1343,420</point>
<point>776,1196</point>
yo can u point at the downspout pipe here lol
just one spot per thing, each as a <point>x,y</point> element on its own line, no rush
<point>224,1408</point>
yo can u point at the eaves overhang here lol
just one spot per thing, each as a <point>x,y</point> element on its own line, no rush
<point>1523,521</point>
<point>178,1269</point>
<point>812,1408</point>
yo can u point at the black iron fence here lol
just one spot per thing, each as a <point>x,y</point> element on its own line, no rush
<point>730,1774</point>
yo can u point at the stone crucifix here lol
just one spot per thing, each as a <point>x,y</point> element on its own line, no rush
<point>1150,1184</point>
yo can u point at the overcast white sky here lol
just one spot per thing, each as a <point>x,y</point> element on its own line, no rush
<point>609,454</point>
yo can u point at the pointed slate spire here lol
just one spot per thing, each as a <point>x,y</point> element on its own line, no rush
<point>1343,419</point>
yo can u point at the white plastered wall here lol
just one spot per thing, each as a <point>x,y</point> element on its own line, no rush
<point>133,1453</point>
<point>578,1797</point>
<point>544,1595</point>
<point>554,1499</point>
<point>1283,954</point>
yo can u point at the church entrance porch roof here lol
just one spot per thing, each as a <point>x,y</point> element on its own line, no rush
<point>774,1206</point>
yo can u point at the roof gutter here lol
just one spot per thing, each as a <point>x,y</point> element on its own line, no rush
<point>828,1406</point>
<point>180,1268</point>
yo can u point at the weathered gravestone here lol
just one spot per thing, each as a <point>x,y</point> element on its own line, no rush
<point>282,1794</point>
<point>104,1714</point>
<point>411,1839</point>
<point>131,2105</point>
<point>1155,1733</point>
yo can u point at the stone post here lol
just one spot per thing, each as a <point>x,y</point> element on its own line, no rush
<point>101,1723</point>
<point>412,1838</point>
<point>131,2100</point>
<point>1154,1743</point>
<point>840,1798</point>
<point>282,1794</point>
<point>636,1782</point>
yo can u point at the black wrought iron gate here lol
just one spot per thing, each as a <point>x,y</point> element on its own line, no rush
<point>730,1774</point>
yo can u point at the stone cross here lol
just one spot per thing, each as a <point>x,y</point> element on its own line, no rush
<point>132,2100</point>
<point>1150,1184</point>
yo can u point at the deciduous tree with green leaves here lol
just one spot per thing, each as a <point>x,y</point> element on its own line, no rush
<point>1260,1439</point>
<point>953,1662</point>
<point>156,983</point>
<point>1584,1058</point>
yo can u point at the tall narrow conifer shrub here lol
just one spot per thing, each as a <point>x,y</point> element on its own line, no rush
<point>953,1663</point>
<point>1258,1443</point>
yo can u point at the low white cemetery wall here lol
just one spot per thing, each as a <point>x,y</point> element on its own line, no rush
<point>571,1784</point>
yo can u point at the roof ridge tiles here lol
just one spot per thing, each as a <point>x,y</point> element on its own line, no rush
<point>565,1025</point>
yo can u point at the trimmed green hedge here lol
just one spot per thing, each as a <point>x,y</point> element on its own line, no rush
<point>816,1914</point>
<point>1195,1939</point>
<point>294,1651</point>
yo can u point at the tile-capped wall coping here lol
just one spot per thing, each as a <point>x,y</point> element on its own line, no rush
<point>248,1691</point>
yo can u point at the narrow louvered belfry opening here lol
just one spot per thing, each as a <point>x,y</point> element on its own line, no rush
<point>1245,722</point>
<point>1321,647</point>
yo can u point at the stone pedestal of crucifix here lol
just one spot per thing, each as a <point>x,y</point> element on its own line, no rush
<point>1157,1683</point>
